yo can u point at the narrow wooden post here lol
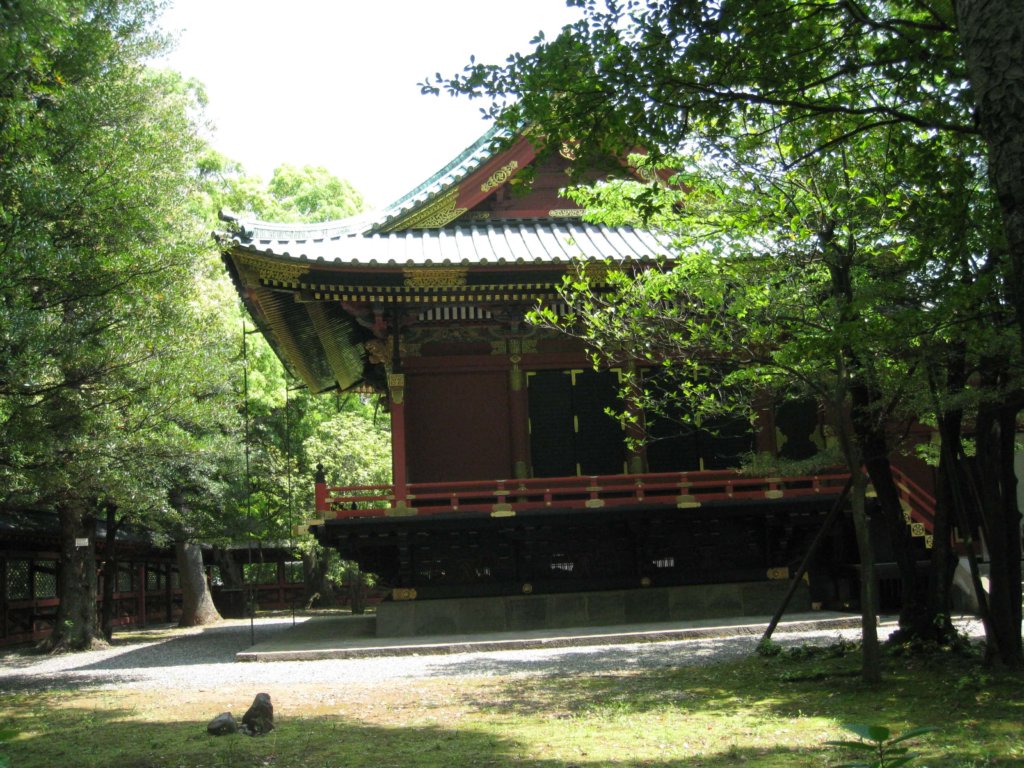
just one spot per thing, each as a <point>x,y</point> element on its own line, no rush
<point>518,412</point>
<point>169,590</point>
<point>140,594</point>
<point>322,505</point>
<point>833,515</point>
<point>399,468</point>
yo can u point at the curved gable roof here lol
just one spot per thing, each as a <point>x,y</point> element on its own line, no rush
<point>316,290</point>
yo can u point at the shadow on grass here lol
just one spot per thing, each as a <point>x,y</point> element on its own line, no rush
<point>91,738</point>
<point>978,710</point>
<point>759,712</point>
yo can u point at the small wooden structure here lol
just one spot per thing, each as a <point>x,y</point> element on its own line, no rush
<point>509,475</point>
<point>147,589</point>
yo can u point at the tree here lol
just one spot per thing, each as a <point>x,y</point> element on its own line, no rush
<point>97,276</point>
<point>281,415</point>
<point>790,281</point>
<point>284,422</point>
<point>293,194</point>
<point>645,73</point>
<point>661,74</point>
<point>351,445</point>
<point>992,40</point>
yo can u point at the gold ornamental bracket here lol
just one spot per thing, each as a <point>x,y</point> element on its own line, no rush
<point>434,215</point>
<point>396,386</point>
<point>597,272</point>
<point>271,272</point>
<point>500,176</point>
<point>382,351</point>
<point>427,277</point>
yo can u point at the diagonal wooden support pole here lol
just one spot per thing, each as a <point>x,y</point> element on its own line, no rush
<point>833,515</point>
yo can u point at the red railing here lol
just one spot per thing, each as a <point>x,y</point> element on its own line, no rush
<point>918,501</point>
<point>509,497</point>
<point>681,489</point>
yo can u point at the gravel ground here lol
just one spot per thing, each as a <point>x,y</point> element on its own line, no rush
<point>183,657</point>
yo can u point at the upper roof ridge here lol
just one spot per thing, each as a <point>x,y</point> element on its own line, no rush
<point>471,158</point>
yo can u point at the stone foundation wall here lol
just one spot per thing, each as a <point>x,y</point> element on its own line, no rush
<point>585,609</point>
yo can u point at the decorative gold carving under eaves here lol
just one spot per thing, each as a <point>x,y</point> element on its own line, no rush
<point>566,213</point>
<point>382,351</point>
<point>515,348</point>
<point>646,172</point>
<point>499,177</point>
<point>433,215</point>
<point>274,272</point>
<point>377,351</point>
<point>596,272</point>
<point>435,278</point>
<point>414,339</point>
<point>396,386</point>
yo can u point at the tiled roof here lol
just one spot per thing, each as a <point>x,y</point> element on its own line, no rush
<point>485,243</point>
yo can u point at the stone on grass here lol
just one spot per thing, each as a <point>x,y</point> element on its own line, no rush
<point>259,718</point>
<point>222,725</point>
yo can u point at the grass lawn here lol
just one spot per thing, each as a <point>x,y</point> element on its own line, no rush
<point>775,711</point>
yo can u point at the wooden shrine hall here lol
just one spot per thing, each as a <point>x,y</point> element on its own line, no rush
<point>509,477</point>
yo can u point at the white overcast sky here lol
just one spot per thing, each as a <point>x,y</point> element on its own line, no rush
<point>333,83</point>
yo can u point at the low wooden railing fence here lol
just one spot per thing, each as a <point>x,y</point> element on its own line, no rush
<point>681,489</point>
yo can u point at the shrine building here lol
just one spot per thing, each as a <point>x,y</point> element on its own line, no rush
<point>509,476</point>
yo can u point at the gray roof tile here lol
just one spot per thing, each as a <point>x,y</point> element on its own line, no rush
<point>470,244</point>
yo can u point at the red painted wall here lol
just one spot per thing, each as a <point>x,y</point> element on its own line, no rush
<point>457,426</point>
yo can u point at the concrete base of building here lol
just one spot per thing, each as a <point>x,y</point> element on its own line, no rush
<point>585,609</point>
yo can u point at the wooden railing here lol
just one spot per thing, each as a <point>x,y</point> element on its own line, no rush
<point>501,498</point>
<point>918,504</point>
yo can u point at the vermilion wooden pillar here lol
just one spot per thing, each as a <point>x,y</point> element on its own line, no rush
<point>518,413</point>
<point>399,464</point>
<point>140,595</point>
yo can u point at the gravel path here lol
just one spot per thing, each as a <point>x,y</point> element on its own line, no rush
<point>182,657</point>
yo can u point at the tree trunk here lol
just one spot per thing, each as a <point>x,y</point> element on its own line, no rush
<point>76,627</point>
<point>997,492</point>
<point>197,602</point>
<point>874,447</point>
<point>314,574</point>
<point>992,39</point>
<point>230,568</point>
<point>356,589</point>
<point>109,573</point>
<point>108,577</point>
<point>871,665</point>
<point>914,618</point>
<point>1006,572</point>
<point>948,493</point>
